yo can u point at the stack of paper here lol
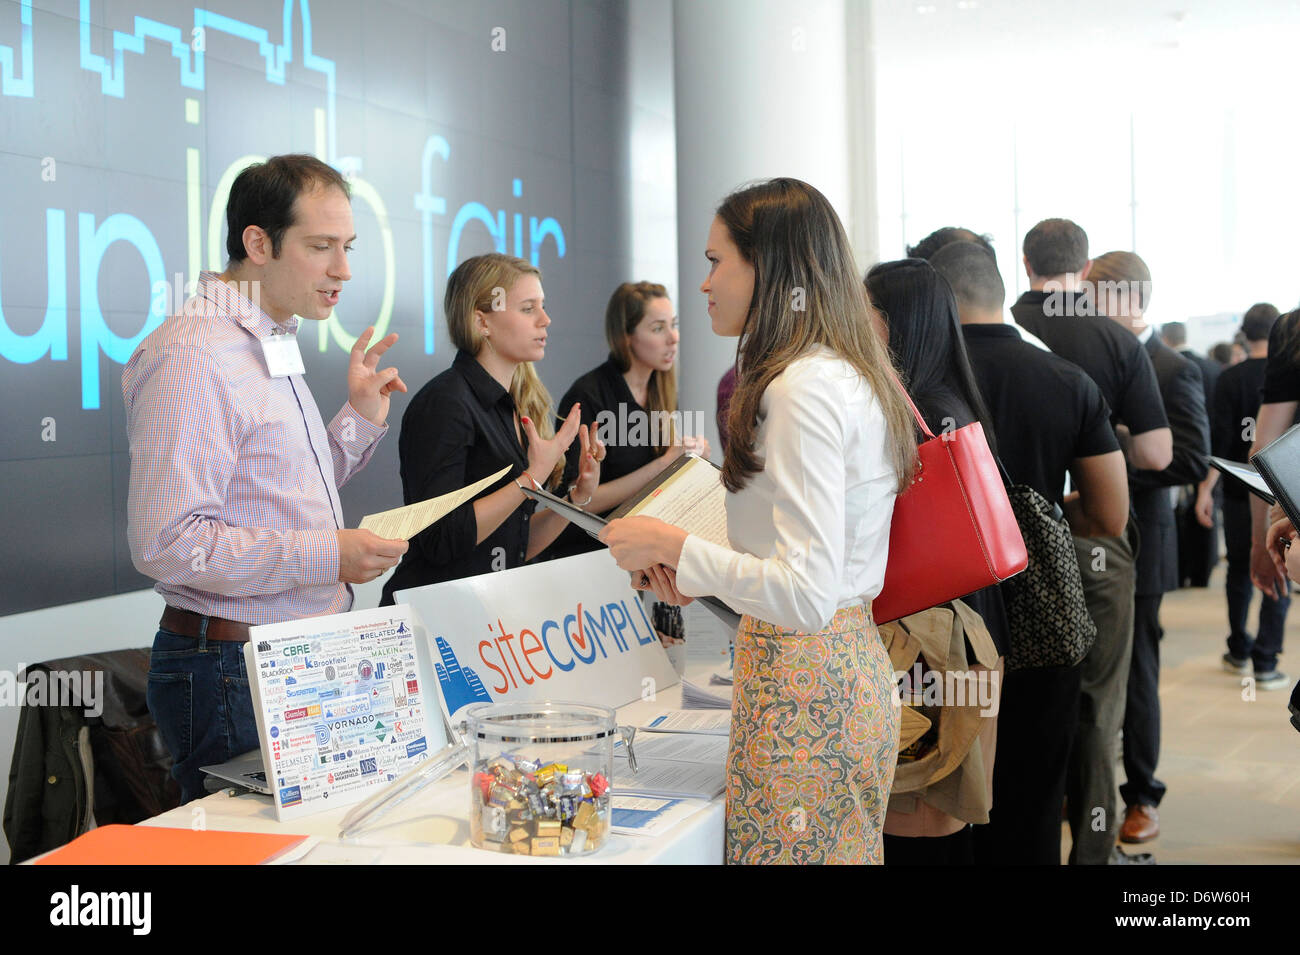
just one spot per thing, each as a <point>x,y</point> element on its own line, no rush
<point>674,766</point>
<point>684,747</point>
<point>697,698</point>
<point>681,721</point>
<point>647,815</point>
<point>671,779</point>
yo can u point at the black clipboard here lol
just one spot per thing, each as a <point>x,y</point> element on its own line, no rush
<point>592,524</point>
<point>1279,465</point>
<point>1245,475</point>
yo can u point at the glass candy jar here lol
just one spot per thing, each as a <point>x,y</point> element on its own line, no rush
<point>540,776</point>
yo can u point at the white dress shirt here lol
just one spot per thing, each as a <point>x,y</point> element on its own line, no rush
<point>810,531</point>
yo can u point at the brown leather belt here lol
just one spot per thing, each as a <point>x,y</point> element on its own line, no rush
<point>187,622</point>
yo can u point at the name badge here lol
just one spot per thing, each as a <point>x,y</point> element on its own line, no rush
<point>282,356</point>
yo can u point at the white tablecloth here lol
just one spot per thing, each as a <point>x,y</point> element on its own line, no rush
<point>433,826</point>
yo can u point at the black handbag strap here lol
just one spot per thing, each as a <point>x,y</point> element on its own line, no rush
<point>1057,513</point>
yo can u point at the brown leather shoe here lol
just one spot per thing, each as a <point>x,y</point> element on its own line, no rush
<point>1141,824</point>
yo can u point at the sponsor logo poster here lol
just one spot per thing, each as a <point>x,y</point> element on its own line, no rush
<point>343,706</point>
<point>571,629</point>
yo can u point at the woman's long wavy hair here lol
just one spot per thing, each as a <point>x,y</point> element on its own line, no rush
<point>806,293</point>
<point>624,312</point>
<point>472,287</point>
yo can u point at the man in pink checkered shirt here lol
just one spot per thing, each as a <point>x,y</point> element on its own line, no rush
<point>233,505</point>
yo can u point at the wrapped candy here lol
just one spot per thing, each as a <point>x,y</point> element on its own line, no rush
<point>522,806</point>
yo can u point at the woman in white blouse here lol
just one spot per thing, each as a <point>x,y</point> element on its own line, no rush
<point>821,443</point>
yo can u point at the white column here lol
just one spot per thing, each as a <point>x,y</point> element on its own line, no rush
<point>763,89</point>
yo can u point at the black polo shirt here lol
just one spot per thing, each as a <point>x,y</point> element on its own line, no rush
<point>458,429</point>
<point>1236,398</point>
<point>1111,356</point>
<point>604,390</point>
<point>1046,412</point>
<point>1282,378</point>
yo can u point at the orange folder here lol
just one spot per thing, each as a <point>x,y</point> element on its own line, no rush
<point>152,845</point>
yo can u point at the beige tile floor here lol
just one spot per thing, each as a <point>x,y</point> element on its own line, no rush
<point>1231,764</point>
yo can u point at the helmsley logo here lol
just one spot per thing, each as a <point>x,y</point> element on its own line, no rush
<point>103,908</point>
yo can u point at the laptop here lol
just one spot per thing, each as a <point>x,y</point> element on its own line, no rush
<point>247,772</point>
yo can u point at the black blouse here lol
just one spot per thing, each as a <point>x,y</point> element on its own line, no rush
<point>604,390</point>
<point>458,429</point>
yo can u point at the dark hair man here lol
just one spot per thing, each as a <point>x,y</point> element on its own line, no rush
<point>1062,314</point>
<point>1174,334</point>
<point>1126,283</point>
<point>936,240</point>
<point>1232,427</point>
<point>233,504</point>
<point>1040,440</point>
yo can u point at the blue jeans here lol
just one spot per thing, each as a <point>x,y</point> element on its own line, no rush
<point>198,695</point>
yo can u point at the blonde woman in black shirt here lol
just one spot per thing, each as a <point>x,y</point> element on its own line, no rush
<point>489,410</point>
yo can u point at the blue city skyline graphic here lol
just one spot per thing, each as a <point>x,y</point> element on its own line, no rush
<point>186,43</point>
<point>460,685</point>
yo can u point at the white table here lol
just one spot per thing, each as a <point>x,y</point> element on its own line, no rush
<point>432,827</point>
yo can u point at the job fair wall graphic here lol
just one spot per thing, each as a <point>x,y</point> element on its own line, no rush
<point>572,629</point>
<point>464,128</point>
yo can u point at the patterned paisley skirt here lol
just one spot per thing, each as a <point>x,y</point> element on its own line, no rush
<point>814,741</point>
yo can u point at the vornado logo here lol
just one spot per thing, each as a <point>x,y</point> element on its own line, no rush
<point>75,908</point>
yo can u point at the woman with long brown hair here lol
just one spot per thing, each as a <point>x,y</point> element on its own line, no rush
<point>821,444</point>
<point>632,398</point>
<point>487,411</point>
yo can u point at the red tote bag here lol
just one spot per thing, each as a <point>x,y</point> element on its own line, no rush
<point>953,531</point>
